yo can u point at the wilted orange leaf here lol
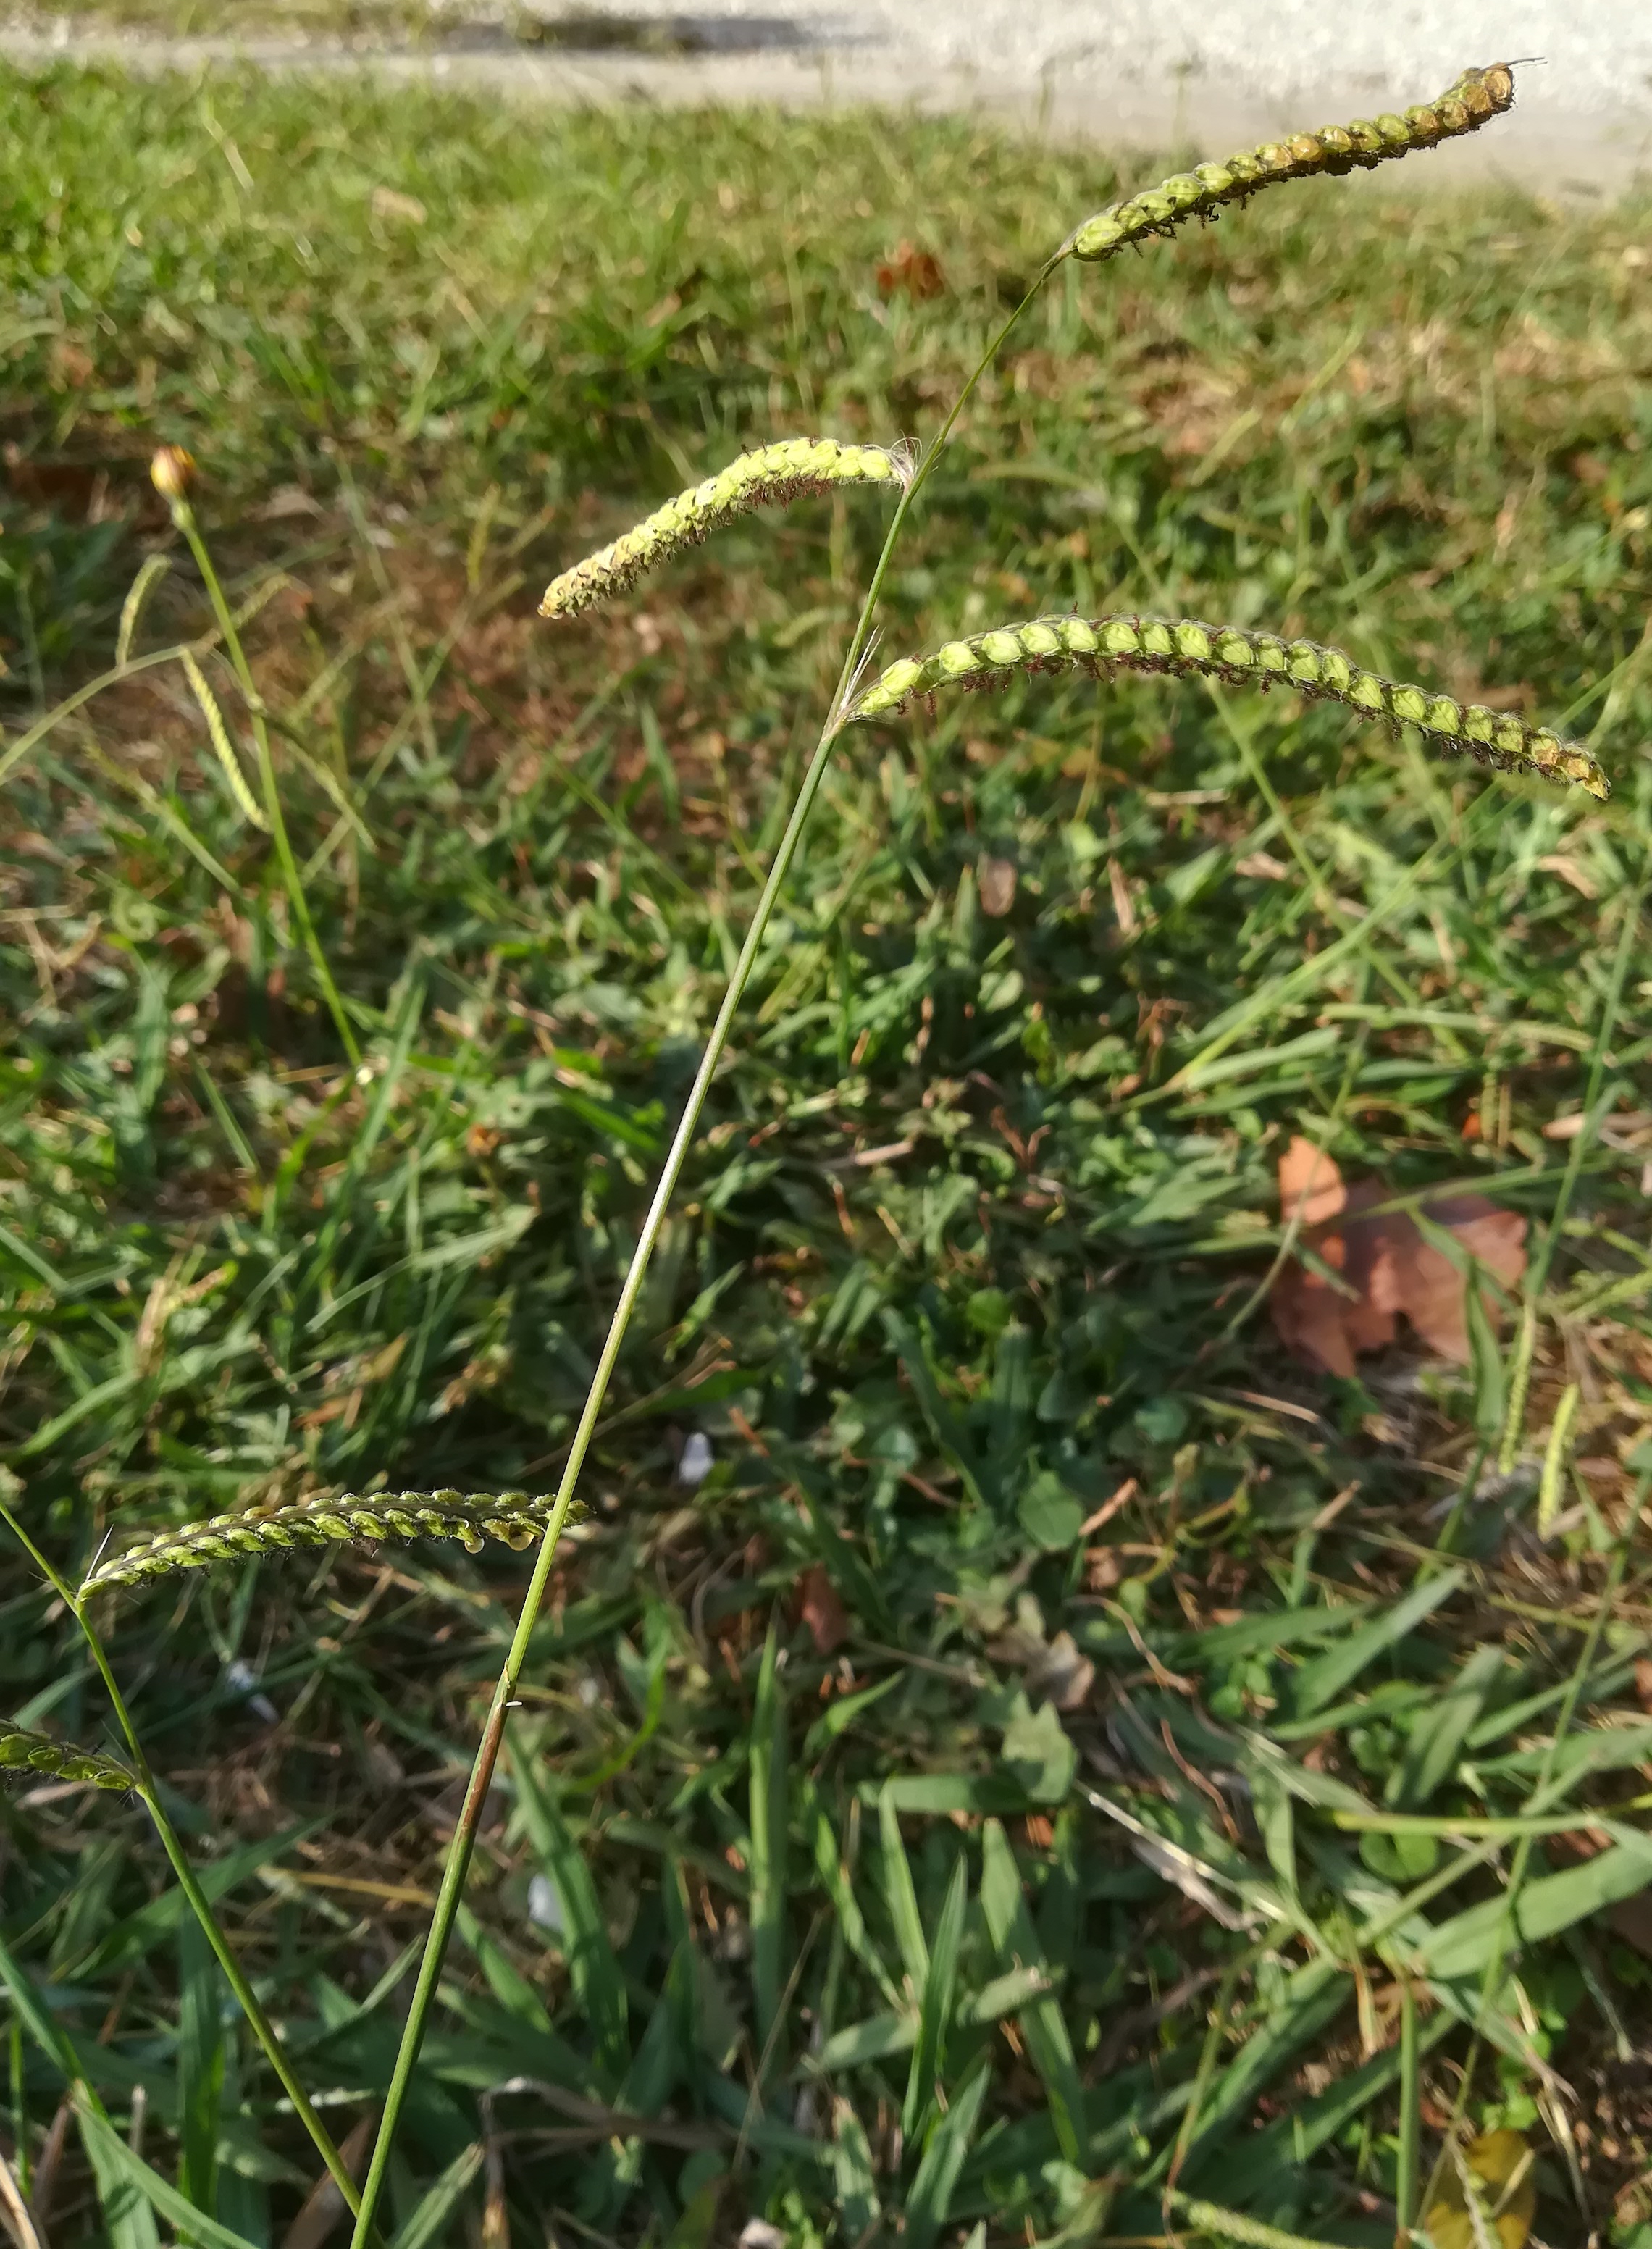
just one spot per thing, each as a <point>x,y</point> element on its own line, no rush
<point>1388,1269</point>
<point>910,272</point>
<point>820,1609</point>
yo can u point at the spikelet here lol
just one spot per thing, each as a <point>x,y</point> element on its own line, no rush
<point>1104,645</point>
<point>219,732</point>
<point>22,1751</point>
<point>788,471</point>
<point>470,1516</point>
<point>1477,97</point>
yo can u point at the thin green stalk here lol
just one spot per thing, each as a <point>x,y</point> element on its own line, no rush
<point>246,1997</point>
<point>464,1842</point>
<point>183,516</point>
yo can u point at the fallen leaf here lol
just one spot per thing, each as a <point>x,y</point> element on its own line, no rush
<point>1061,1674</point>
<point>910,272</point>
<point>820,1609</point>
<point>996,879</point>
<point>1387,1266</point>
<point>1496,2169</point>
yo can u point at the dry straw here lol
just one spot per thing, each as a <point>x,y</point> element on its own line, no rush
<point>1477,97</point>
<point>22,1751</point>
<point>512,1517</point>
<point>789,470</point>
<point>1106,645</point>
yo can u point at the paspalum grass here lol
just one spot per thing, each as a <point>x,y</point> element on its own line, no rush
<point>1106,646</point>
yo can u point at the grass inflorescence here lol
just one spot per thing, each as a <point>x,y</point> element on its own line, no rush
<point>793,468</point>
<point>1105,646</point>
<point>22,1751</point>
<point>1473,100</point>
<point>1008,1746</point>
<point>474,1518</point>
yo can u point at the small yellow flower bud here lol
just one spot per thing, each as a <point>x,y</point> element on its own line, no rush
<point>172,472</point>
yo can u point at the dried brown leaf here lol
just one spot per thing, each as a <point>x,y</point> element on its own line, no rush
<point>996,879</point>
<point>1387,1268</point>
<point>821,1610</point>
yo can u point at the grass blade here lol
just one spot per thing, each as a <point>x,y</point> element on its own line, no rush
<point>593,1970</point>
<point>428,2219</point>
<point>1041,2025</point>
<point>768,1815</point>
<point>902,1897</point>
<point>1329,1674</point>
<point>931,2198</point>
<point>935,2006</point>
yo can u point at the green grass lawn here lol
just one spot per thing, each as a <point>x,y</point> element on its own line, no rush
<point>940,1814</point>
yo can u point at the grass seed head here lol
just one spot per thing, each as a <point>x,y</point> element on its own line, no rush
<point>511,1516</point>
<point>788,471</point>
<point>22,1751</point>
<point>1478,96</point>
<point>1186,648</point>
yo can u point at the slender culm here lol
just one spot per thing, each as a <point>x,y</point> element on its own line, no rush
<point>512,1517</point>
<point>22,1751</point>
<point>1106,645</point>
<point>1477,97</point>
<point>788,471</point>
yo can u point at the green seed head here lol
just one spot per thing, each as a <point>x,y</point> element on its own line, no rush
<point>1186,646</point>
<point>22,1751</point>
<point>512,1517</point>
<point>779,472</point>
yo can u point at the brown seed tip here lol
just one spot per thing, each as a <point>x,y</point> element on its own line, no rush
<point>172,472</point>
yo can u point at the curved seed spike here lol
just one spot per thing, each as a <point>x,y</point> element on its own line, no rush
<point>1477,97</point>
<point>1185,647</point>
<point>22,1751</point>
<point>511,1516</point>
<point>788,471</point>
